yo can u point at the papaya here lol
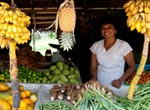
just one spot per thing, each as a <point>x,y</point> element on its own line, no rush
<point>4,105</point>
<point>3,87</point>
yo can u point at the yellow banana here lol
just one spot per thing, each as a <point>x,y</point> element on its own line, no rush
<point>1,39</point>
<point>2,12</point>
<point>4,43</point>
<point>19,29</point>
<point>14,28</point>
<point>27,18</point>
<point>142,19</point>
<point>138,26</point>
<point>5,14</point>
<point>12,35</point>
<point>15,16</point>
<point>1,26</point>
<point>147,17</point>
<point>136,7</point>
<point>135,10</point>
<point>132,27</point>
<point>22,24</point>
<point>129,21</point>
<point>20,13</point>
<point>148,25</point>
<point>9,28</point>
<point>134,19</point>
<point>141,6</point>
<point>129,13</point>
<point>132,5</point>
<point>24,29</point>
<point>2,33</point>
<point>127,10</point>
<point>7,19</point>
<point>7,34</point>
<point>10,13</point>
<point>4,5</point>
<point>27,35</point>
<point>15,22</point>
<point>5,26</point>
<point>2,20</point>
<point>146,6</point>
<point>127,4</point>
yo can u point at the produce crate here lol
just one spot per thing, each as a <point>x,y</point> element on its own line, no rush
<point>43,94</point>
<point>33,88</point>
<point>146,67</point>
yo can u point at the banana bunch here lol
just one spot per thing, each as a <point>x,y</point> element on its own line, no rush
<point>138,13</point>
<point>13,25</point>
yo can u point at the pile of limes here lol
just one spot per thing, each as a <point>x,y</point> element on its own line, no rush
<point>25,75</point>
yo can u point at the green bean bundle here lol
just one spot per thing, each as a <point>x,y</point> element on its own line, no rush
<point>141,99</point>
<point>55,105</point>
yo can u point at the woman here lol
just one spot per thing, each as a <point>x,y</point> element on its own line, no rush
<point>109,55</point>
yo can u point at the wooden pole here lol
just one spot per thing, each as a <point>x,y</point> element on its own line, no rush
<point>14,75</point>
<point>140,69</point>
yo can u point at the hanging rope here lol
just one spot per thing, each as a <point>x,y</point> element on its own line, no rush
<point>12,2</point>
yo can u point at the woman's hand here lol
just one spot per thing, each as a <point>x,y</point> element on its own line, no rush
<point>116,83</point>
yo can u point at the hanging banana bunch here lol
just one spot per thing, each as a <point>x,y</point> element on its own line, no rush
<point>13,25</point>
<point>66,20</point>
<point>138,13</point>
<point>13,31</point>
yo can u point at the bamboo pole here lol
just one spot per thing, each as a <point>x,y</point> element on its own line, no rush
<point>140,69</point>
<point>14,75</point>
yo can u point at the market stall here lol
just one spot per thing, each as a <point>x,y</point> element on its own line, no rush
<point>37,82</point>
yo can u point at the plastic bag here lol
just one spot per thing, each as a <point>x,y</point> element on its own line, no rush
<point>40,40</point>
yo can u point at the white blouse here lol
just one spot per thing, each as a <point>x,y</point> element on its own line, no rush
<point>110,62</point>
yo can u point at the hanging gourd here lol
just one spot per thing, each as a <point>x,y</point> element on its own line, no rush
<point>66,20</point>
<point>13,31</point>
<point>138,13</point>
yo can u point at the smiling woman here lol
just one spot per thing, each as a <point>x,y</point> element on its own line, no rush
<point>109,55</point>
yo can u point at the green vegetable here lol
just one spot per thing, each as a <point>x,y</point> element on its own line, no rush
<point>65,72</point>
<point>66,66</point>
<point>60,65</point>
<point>94,99</point>
<point>72,70</point>
<point>55,78</point>
<point>141,99</point>
<point>73,81</point>
<point>52,67</point>
<point>57,71</point>
<point>72,76</point>
<point>63,78</point>
<point>55,105</point>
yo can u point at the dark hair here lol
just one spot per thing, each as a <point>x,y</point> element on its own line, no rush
<point>108,19</point>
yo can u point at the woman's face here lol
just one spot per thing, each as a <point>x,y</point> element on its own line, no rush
<point>108,30</point>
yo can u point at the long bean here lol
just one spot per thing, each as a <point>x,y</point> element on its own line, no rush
<point>55,105</point>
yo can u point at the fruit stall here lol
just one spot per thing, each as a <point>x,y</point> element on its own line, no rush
<point>32,79</point>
